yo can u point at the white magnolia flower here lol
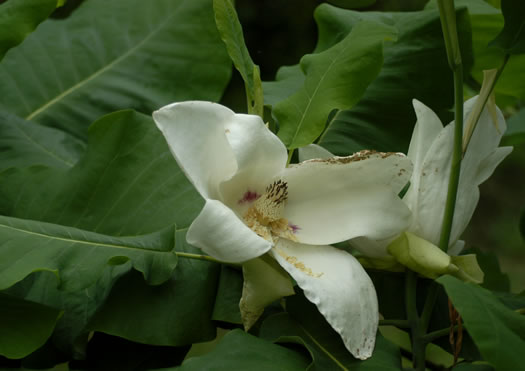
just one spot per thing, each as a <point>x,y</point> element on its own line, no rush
<point>431,153</point>
<point>256,205</point>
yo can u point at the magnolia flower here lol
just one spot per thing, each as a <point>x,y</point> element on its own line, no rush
<point>255,205</point>
<point>431,153</point>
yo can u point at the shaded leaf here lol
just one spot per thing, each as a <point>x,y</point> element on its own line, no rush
<point>113,55</point>
<point>241,351</point>
<point>77,256</point>
<point>25,325</point>
<point>24,143</point>
<point>512,37</point>
<point>383,119</point>
<point>128,183</point>
<point>19,18</point>
<point>498,331</point>
<point>335,78</point>
<point>229,294</point>
<point>303,324</point>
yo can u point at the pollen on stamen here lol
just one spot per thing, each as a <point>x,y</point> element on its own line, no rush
<point>248,197</point>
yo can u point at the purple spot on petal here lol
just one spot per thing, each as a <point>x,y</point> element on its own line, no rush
<point>294,228</point>
<point>249,196</point>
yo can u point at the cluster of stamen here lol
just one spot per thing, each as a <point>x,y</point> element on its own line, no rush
<point>265,216</point>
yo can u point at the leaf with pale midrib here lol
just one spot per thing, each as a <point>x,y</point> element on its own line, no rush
<point>76,256</point>
<point>111,55</point>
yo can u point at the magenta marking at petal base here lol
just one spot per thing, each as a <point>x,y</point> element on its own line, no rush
<point>249,196</point>
<point>293,227</point>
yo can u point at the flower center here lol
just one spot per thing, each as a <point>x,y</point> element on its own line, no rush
<point>265,216</point>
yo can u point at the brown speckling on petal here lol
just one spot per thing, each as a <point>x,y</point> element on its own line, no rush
<point>358,156</point>
<point>227,131</point>
<point>298,264</point>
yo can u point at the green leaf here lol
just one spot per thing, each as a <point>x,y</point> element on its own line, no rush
<point>335,78</point>
<point>303,324</point>
<point>25,326</point>
<point>494,280</point>
<point>77,256</point>
<point>229,294</point>
<point>19,18</point>
<point>512,37</point>
<point>289,79</point>
<point>498,331</point>
<point>383,119</point>
<point>515,134</point>
<point>127,184</point>
<point>241,351</point>
<point>230,30</point>
<point>178,312</point>
<point>26,143</point>
<point>464,366</point>
<point>113,55</point>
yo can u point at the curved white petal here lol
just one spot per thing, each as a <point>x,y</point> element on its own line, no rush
<point>427,128</point>
<point>312,151</point>
<point>346,197</point>
<point>264,282</point>
<point>196,135</point>
<point>260,156</point>
<point>221,234</point>
<point>338,285</point>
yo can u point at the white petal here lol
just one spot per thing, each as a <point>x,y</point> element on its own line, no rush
<point>312,151</point>
<point>195,132</point>
<point>479,162</point>
<point>264,282</point>
<point>221,234</point>
<point>346,197</point>
<point>338,285</point>
<point>260,157</point>
<point>372,248</point>
<point>427,128</point>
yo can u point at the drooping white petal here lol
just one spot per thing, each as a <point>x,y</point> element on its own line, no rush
<point>312,151</point>
<point>196,135</point>
<point>221,234</point>
<point>427,128</point>
<point>346,197</point>
<point>264,282</point>
<point>260,157</point>
<point>338,285</point>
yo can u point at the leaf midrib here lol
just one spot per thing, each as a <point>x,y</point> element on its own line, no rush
<point>94,75</point>
<point>323,349</point>
<point>75,241</point>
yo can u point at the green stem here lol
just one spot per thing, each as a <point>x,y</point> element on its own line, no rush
<point>448,22</point>
<point>431,336</point>
<point>430,301</point>
<point>399,323</point>
<point>418,346</point>
<point>290,154</point>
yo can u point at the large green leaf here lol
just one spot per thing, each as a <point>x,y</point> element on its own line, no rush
<point>114,55</point>
<point>229,292</point>
<point>512,37</point>
<point>498,331</point>
<point>414,67</point>
<point>127,184</point>
<point>335,79</point>
<point>77,256</point>
<point>241,351</point>
<point>303,324</point>
<point>19,18</point>
<point>24,143</point>
<point>25,325</point>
